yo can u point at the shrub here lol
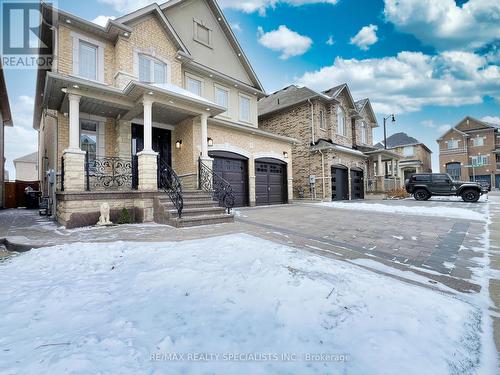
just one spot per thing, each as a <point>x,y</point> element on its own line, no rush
<point>125,217</point>
<point>399,193</point>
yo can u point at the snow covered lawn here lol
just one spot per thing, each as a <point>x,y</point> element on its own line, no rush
<point>108,308</point>
<point>399,207</point>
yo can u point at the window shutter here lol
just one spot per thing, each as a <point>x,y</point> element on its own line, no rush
<point>101,139</point>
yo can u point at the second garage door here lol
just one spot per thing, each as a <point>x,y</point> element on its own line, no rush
<point>270,182</point>
<point>234,169</point>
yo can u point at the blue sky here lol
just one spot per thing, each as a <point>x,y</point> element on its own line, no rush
<point>431,62</point>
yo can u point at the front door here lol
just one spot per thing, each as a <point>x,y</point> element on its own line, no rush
<point>340,184</point>
<point>161,142</point>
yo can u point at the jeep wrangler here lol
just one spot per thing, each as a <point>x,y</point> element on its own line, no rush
<point>425,185</point>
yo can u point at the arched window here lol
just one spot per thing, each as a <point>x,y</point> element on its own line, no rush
<point>364,132</point>
<point>341,121</point>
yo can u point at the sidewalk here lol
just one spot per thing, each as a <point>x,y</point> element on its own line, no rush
<point>494,282</point>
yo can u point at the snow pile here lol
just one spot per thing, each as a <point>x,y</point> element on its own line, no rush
<point>124,308</point>
<point>438,211</point>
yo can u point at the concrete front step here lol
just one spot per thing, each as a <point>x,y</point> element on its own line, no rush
<point>198,211</point>
<point>185,222</point>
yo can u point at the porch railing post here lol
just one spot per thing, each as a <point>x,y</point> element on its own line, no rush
<point>87,172</point>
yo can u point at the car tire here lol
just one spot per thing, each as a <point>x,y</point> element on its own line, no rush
<point>470,195</point>
<point>421,195</point>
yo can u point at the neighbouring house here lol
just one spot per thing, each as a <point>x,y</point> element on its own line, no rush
<point>471,151</point>
<point>27,167</point>
<point>415,156</point>
<point>5,120</point>
<point>334,158</point>
<point>154,112</point>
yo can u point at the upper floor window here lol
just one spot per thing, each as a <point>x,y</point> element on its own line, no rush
<point>322,119</point>
<point>201,33</point>
<point>193,85</point>
<point>222,97</point>
<point>364,133</point>
<point>151,70</point>
<point>244,108</point>
<point>452,143</point>
<point>408,151</point>
<point>341,129</point>
<point>479,160</point>
<point>87,57</point>
<point>478,141</point>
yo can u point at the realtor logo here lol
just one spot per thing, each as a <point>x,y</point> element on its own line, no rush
<point>24,45</point>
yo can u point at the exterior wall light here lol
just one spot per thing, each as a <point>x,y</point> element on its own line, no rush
<point>178,144</point>
<point>210,142</point>
<point>285,154</point>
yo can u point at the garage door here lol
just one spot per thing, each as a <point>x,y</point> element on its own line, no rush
<point>357,185</point>
<point>340,184</point>
<point>270,182</point>
<point>234,169</point>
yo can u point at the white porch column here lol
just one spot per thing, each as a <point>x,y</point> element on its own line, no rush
<point>393,167</point>
<point>380,170</point>
<point>204,136</point>
<point>148,123</point>
<point>74,122</point>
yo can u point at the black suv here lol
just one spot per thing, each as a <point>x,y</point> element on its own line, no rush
<point>425,185</point>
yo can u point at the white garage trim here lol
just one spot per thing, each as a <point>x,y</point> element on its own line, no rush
<point>230,148</point>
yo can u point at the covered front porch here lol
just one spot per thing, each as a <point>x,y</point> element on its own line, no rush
<point>132,145</point>
<point>385,174</point>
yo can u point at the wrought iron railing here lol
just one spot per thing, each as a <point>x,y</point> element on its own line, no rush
<point>104,173</point>
<point>212,183</point>
<point>170,183</point>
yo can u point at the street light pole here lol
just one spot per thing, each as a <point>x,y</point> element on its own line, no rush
<point>393,119</point>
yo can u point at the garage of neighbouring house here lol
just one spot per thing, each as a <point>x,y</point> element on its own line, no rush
<point>357,184</point>
<point>270,181</point>
<point>340,183</point>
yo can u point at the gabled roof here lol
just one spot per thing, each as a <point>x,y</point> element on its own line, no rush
<point>400,140</point>
<point>226,28</point>
<point>155,10</point>
<point>334,92</point>
<point>287,97</point>
<point>4,101</point>
<point>29,158</point>
<point>365,103</point>
<point>464,133</point>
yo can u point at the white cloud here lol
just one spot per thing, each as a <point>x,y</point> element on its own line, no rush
<point>365,37</point>
<point>411,80</point>
<point>492,119</point>
<point>236,27</point>
<point>443,128</point>
<point>286,41</point>
<point>428,124</point>
<point>21,139</point>
<point>445,25</point>
<point>247,6</point>
<point>102,20</point>
<point>330,41</point>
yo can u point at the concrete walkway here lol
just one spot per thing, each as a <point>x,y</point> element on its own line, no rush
<point>494,281</point>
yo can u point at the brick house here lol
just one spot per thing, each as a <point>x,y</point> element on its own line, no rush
<point>5,120</point>
<point>153,112</point>
<point>415,156</point>
<point>334,158</point>
<point>471,151</point>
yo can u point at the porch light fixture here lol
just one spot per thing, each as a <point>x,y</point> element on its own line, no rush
<point>68,20</point>
<point>285,154</point>
<point>150,93</point>
<point>125,34</point>
<point>76,86</point>
<point>208,109</point>
<point>178,144</point>
<point>210,142</point>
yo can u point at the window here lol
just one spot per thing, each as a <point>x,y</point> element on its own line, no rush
<point>408,151</point>
<point>454,170</point>
<point>202,34</point>
<point>478,141</point>
<point>322,119</point>
<point>479,160</point>
<point>152,71</point>
<point>193,85</point>
<point>341,121</point>
<point>452,143</point>
<point>222,97</point>
<point>440,178</point>
<point>421,177</point>
<point>364,132</point>
<point>88,138</point>
<point>244,108</point>
<point>87,66</point>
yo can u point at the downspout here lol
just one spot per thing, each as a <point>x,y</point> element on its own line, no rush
<point>312,121</point>
<point>323,171</point>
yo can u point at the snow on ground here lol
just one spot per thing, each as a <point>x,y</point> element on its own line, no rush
<point>108,308</point>
<point>438,211</point>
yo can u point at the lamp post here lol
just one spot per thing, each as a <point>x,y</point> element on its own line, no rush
<point>393,119</point>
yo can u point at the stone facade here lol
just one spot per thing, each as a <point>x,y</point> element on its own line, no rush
<point>462,136</point>
<point>296,122</point>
